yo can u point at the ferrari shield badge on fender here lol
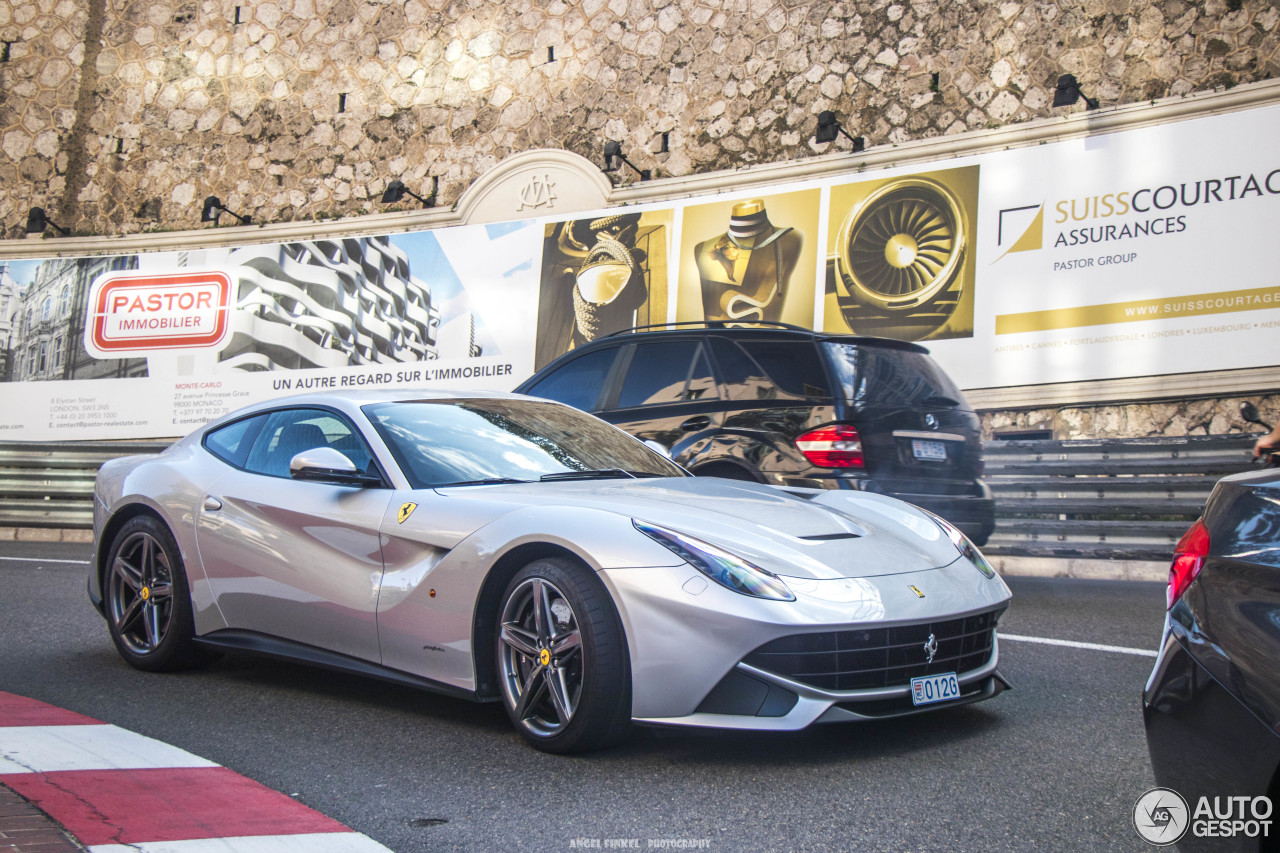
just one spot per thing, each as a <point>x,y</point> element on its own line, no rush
<point>911,587</point>
<point>406,510</point>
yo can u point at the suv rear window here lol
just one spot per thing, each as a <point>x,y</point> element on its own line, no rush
<point>770,370</point>
<point>578,383</point>
<point>874,376</point>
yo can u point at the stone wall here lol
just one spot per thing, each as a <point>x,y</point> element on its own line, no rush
<point>119,116</point>
<point>1218,416</point>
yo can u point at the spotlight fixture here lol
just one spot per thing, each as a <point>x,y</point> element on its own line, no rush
<point>38,221</point>
<point>1068,92</point>
<point>213,208</point>
<point>829,128</point>
<point>396,190</point>
<point>614,158</point>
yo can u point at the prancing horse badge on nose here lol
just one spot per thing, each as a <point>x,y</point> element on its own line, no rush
<point>406,510</point>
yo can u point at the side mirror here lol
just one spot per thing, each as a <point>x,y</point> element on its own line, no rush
<point>657,447</point>
<point>326,465</point>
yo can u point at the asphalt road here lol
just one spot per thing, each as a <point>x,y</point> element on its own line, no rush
<point>1056,764</point>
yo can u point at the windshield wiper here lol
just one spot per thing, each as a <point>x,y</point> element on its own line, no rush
<point>491,481</point>
<point>598,474</point>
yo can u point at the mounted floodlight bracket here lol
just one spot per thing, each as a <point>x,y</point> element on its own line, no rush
<point>614,158</point>
<point>1068,92</point>
<point>829,128</point>
<point>213,208</point>
<point>38,221</point>
<point>396,190</point>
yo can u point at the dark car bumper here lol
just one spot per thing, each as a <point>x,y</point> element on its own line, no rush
<point>975,516</point>
<point>968,505</point>
<point>1204,743</point>
<point>974,513</point>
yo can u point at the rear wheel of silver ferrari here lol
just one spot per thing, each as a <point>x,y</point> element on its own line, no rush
<point>562,659</point>
<point>147,603</point>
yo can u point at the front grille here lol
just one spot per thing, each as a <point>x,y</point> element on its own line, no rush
<point>879,657</point>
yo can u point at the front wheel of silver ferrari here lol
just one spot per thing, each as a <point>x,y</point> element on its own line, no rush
<point>562,659</point>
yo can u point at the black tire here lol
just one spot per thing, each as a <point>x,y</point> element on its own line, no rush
<point>562,662</point>
<point>147,600</point>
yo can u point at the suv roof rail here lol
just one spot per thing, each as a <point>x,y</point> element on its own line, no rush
<point>715,324</point>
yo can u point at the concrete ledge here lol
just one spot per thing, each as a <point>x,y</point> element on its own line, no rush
<point>1054,567</point>
<point>45,534</point>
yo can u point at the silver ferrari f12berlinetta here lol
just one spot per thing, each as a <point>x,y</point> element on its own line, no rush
<point>500,547</point>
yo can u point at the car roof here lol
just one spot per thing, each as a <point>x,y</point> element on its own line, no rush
<point>773,331</point>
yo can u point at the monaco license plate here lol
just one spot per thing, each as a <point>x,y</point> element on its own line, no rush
<point>932,450</point>
<point>934,688</point>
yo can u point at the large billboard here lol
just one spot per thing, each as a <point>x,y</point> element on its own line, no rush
<point>1137,253</point>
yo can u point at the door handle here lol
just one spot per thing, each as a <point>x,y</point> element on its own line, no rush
<point>698,422</point>
<point>212,504</point>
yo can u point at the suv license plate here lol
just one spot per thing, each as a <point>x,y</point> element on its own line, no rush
<point>934,688</point>
<point>929,450</point>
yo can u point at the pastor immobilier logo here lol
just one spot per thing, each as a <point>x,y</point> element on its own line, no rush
<point>133,314</point>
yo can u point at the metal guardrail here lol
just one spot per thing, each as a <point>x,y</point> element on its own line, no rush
<point>1128,499</point>
<point>1109,499</point>
<point>46,484</point>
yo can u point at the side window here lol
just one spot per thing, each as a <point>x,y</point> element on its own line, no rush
<point>667,372</point>
<point>289,432</point>
<point>769,370</point>
<point>702,382</point>
<point>579,382</point>
<point>743,378</point>
<point>231,442</point>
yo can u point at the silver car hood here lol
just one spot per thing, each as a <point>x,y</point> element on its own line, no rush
<point>798,533</point>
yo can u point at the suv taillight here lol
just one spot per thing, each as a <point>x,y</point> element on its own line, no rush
<point>1188,557</point>
<point>832,446</point>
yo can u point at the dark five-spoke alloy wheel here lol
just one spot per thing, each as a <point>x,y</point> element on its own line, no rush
<point>148,606</point>
<point>562,659</point>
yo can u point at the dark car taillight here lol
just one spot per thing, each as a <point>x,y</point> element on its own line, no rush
<point>1188,557</point>
<point>832,446</point>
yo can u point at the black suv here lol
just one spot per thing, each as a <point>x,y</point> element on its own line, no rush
<point>784,405</point>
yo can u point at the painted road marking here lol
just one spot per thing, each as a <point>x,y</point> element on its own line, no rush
<point>166,805</point>
<point>324,842</point>
<point>1096,647</point>
<point>46,749</point>
<point>121,792</point>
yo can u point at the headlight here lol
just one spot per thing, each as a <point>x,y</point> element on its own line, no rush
<point>966,548</point>
<point>722,567</point>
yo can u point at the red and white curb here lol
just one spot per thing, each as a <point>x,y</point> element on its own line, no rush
<point>119,792</point>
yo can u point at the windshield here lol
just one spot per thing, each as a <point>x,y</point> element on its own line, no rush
<point>449,442</point>
<point>881,376</point>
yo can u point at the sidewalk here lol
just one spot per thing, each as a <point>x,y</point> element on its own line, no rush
<point>26,829</point>
<point>66,776</point>
<point>1066,567</point>
<point>45,534</point>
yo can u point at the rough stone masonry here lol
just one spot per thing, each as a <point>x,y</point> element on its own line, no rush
<point>119,116</point>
